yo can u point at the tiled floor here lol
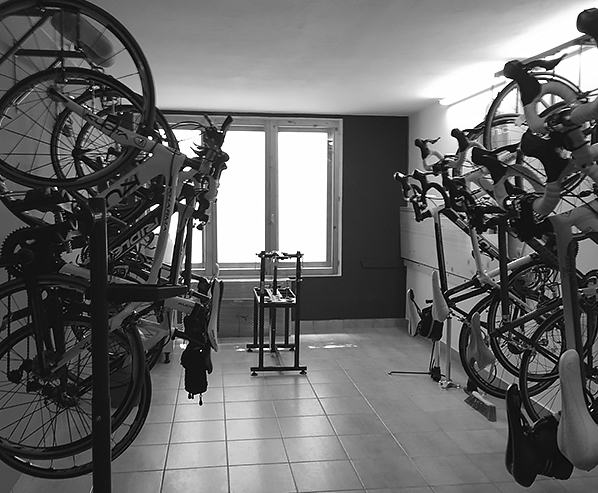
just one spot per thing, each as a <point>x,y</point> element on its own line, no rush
<point>345,426</point>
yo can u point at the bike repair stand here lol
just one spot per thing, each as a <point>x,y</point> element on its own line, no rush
<point>100,403</point>
<point>273,296</point>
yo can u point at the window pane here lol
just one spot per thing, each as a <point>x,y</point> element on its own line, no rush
<point>241,198</point>
<point>303,193</point>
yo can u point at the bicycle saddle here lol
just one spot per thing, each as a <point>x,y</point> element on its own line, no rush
<point>477,349</point>
<point>577,432</point>
<point>412,313</point>
<point>528,84</point>
<point>587,23</point>
<point>532,450</point>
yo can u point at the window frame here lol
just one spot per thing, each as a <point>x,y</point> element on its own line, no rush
<point>271,125</point>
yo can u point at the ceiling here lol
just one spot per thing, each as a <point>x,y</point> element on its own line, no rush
<point>373,57</point>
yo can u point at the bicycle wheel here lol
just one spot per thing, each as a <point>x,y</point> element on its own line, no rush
<point>520,174</point>
<point>531,288</point>
<point>121,214</point>
<point>543,357</point>
<point>71,33</point>
<point>493,379</point>
<point>81,464</point>
<point>48,414</point>
<point>508,103</point>
<point>42,144</point>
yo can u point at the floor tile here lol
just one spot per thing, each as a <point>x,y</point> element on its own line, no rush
<point>409,421</point>
<point>263,478</point>
<point>478,441</point>
<point>258,451</point>
<point>243,429</point>
<point>194,412</point>
<point>325,476</point>
<point>154,434</point>
<point>296,391</point>
<point>298,426</point>
<point>252,393</point>
<point>137,482</point>
<point>141,458</point>
<point>388,472</point>
<point>336,389</point>
<point>448,470</point>
<point>196,454</point>
<point>367,446</point>
<point>302,449</point>
<point>203,480</point>
<point>346,405</point>
<point>161,414</point>
<point>250,409</point>
<point>428,444</point>
<point>357,424</point>
<point>197,431</point>
<point>298,407</point>
<point>327,376</point>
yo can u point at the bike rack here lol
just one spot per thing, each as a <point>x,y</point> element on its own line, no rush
<point>273,297</point>
<point>100,403</point>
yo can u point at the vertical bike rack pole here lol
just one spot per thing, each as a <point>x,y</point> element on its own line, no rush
<point>297,314</point>
<point>100,404</point>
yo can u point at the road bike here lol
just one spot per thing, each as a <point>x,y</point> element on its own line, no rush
<point>42,358</point>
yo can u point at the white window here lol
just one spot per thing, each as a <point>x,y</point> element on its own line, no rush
<point>281,191</point>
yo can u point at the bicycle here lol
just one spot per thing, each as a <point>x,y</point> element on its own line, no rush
<point>166,162</point>
<point>528,277</point>
<point>576,435</point>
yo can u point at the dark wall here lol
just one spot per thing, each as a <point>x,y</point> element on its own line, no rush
<point>372,284</point>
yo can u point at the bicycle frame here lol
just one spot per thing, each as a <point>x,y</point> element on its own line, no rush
<point>164,161</point>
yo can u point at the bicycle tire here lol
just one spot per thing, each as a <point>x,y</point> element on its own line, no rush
<point>536,283</point>
<point>71,33</point>
<point>37,153</point>
<point>522,174</point>
<point>499,131</point>
<point>56,394</point>
<point>550,337</point>
<point>508,102</point>
<point>82,464</point>
<point>137,204</point>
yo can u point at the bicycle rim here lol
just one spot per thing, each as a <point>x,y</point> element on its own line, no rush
<point>531,287</point>
<point>82,464</point>
<point>493,379</point>
<point>543,357</point>
<point>508,103</point>
<point>48,415</point>
<point>44,145</point>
